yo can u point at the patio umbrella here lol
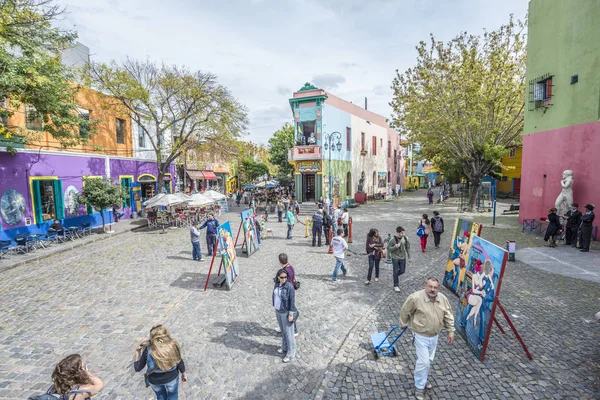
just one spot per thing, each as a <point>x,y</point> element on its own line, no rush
<point>183,196</point>
<point>216,196</point>
<point>199,199</point>
<point>249,186</point>
<point>152,200</point>
<point>165,200</point>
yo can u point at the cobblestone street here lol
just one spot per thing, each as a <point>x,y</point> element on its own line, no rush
<point>100,300</point>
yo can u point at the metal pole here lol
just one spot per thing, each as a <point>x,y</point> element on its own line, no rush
<point>330,179</point>
<point>494,217</point>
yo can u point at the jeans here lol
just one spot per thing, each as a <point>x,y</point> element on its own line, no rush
<point>288,342</point>
<point>436,238</point>
<point>211,241</point>
<point>399,268</point>
<point>279,216</point>
<point>326,233</point>
<point>345,230</point>
<point>373,262</point>
<point>289,232</point>
<point>316,233</point>
<point>339,263</point>
<point>424,242</point>
<point>425,347</point>
<point>167,391</point>
<point>196,251</point>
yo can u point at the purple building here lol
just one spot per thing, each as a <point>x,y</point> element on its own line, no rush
<point>38,186</point>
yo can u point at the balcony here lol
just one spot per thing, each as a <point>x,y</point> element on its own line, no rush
<point>310,152</point>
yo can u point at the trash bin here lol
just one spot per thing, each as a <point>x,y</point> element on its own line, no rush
<point>511,246</point>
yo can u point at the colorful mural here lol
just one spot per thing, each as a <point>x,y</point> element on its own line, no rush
<point>12,207</point>
<point>250,234</point>
<point>228,256</point>
<point>479,294</point>
<point>458,259</point>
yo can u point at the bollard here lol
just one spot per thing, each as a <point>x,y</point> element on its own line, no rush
<point>306,228</point>
<point>330,251</point>
<point>350,230</point>
<point>388,259</point>
<point>511,246</point>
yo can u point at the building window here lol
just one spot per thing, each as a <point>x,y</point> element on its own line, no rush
<point>512,153</point>
<point>141,137</point>
<point>348,138</point>
<point>389,149</point>
<point>363,143</point>
<point>84,126</point>
<point>374,151</point>
<point>381,142</point>
<point>126,185</point>
<point>308,130</point>
<point>47,200</point>
<point>395,161</point>
<point>120,131</point>
<point>33,119</point>
<point>504,178</point>
<point>540,92</point>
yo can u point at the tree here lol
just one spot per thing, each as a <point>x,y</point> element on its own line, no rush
<point>174,107</point>
<point>464,100</point>
<point>101,193</point>
<point>252,170</point>
<point>32,73</point>
<point>279,144</point>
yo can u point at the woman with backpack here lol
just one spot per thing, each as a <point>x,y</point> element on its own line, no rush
<point>161,355</point>
<point>423,231</point>
<point>72,381</point>
<point>437,224</point>
<point>375,251</point>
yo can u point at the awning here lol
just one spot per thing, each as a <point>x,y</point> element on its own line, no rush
<point>195,174</point>
<point>209,175</point>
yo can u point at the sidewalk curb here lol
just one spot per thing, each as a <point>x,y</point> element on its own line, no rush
<point>70,247</point>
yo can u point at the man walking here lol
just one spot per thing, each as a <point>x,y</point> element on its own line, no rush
<point>573,222</point>
<point>211,226</point>
<point>399,251</point>
<point>327,222</point>
<point>195,236</point>
<point>587,222</point>
<point>345,220</point>
<point>291,220</point>
<point>437,224</point>
<point>339,249</point>
<point>317,220</point>
<point>426,312</point>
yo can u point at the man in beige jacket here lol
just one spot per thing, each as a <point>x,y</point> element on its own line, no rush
<point>426,312</point>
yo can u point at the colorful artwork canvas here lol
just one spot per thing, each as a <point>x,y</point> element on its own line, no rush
<point>250,234</point>
<point>71,200</point>
<point>228,256</point>
<point>12,207</point>
<point>464,233</point>
<point>478,294</point>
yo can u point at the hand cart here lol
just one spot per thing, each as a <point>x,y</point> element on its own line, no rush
<point>384,343</point>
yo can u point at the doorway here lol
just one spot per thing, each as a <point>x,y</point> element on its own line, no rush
<point>308,187</point>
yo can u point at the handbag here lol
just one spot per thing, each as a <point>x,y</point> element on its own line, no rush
<point>147,375</point>
<point>297,285</point>
<point>296,315</point>
<point>421,231</point>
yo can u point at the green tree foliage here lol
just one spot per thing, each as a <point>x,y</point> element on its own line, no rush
<point>102,194</point>
<point>31,72</point>
<point>464,100</point>
<point>251,170</point>
<point>181,107</point>
<point>279,144</point>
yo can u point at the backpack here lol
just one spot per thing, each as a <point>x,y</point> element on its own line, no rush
<point>437,225</point>
<point>49,395</point>
<point>421,231</point>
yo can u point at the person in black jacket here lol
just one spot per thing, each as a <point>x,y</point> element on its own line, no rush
<point>437,227</point>
<point>327,223</point>
<point>573,222</point>
<point>283,301</point>
<point>317,220</point>
<point>554,228</point>
<point>587,223</point>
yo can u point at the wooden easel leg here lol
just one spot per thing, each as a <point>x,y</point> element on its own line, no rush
<point>498,325</point>
<point>515,331</point>
<point>238,235</point>
<point>211,265</point>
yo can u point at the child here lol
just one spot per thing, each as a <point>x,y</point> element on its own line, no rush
<point>339,249</point>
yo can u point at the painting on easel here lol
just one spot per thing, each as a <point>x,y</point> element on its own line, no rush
<point>458,258</point>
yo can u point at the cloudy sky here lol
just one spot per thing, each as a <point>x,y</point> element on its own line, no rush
<point>264,50</point>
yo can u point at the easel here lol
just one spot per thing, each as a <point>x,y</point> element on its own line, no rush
<point>512,327</point>
<point>211,265</point>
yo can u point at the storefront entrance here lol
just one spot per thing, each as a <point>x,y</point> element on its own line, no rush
<point>308,187</point>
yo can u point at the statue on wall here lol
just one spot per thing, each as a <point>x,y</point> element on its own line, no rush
<point>565,198</point>
<point>361,182</point>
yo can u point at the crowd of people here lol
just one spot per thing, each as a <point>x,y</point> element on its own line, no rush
<point>576,229</point>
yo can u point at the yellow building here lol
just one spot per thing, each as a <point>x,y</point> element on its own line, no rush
<point>510,182</point>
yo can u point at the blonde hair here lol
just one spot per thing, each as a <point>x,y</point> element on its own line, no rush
<point>165,350</point>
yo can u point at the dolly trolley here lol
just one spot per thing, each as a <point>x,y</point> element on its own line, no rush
<point>384,343</point>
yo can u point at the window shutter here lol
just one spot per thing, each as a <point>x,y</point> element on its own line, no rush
<point>37,202</point>
<point>548,89</point>
<point>58,199</point>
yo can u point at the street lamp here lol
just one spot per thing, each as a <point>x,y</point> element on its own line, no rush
<point>328,145</point>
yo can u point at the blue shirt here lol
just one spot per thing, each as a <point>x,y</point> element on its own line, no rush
<point>211,226</point>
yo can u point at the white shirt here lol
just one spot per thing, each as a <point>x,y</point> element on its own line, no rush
<point>345,218</point>
<point>339,246</point>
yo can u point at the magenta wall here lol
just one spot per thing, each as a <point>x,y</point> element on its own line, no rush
<point>551,152</point>
<point>15,171</point>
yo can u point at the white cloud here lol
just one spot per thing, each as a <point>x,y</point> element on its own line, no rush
<point>263,50</point>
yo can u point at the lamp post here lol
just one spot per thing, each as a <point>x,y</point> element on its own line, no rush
<point>329,145</point>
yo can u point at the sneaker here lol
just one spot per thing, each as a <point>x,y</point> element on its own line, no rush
<point>396,289</point>
<point>280,351</point>
<point>419,394</point>
<point>287,359</point>
<point>367,282</point>
<point>376,279</point>
<point>278,330</point>
<point>202,259</point>
<point>335,280</point>
<point>295,334</point>
<point>428,386</point>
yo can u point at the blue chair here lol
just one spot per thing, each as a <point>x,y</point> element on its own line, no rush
<point>85,229</point>
<point>5,247</point>
<point>49,238</point>
<point>23,245</point>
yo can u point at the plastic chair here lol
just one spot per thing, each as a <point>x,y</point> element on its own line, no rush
<point>5,247</point>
